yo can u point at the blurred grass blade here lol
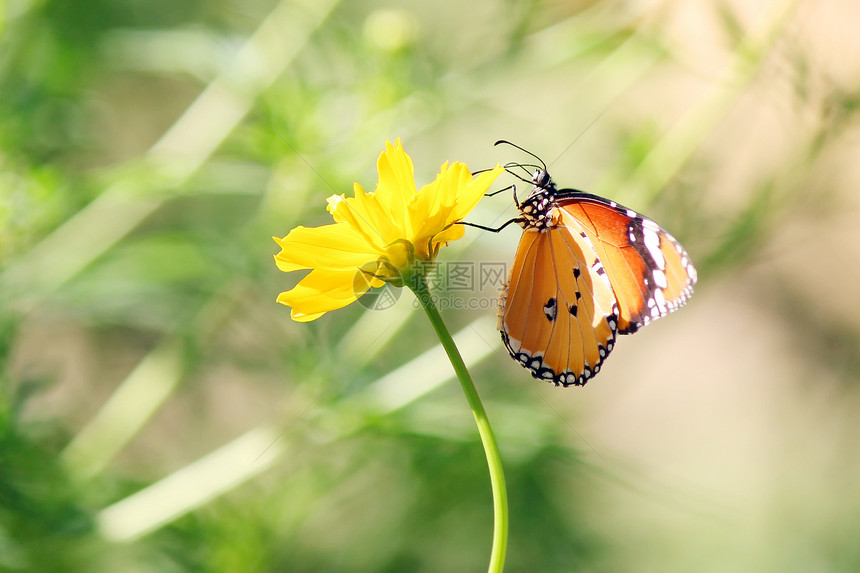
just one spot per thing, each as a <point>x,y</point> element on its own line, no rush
<point>191,487</point>
<point>225,101</point>
<point>675,148</point>
<point>173,159</point>
<point>249,455</point>
<point>615,74</point>
<point>353,348</point>
<point>423,374</point>
<point>126,411</point>
<point>116,212</point>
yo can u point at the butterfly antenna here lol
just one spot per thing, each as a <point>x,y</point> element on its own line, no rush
<point>479,171</point>
<point>505,141</point>
<point>526,167</point>
<point>534,165</point>
<point>509,168</point>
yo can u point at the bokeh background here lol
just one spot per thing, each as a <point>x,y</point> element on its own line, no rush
<point>160,413</point>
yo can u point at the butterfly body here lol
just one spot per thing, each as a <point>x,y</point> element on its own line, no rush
<point>586,270</point>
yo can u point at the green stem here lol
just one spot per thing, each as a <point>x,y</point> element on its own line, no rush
<point>417,283</point>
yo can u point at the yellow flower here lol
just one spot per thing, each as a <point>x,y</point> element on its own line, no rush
<point>377,236</point>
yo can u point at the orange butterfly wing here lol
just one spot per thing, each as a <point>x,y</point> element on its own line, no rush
<point>557,311</point>
<point>586,270</point>
<point>650,272</point>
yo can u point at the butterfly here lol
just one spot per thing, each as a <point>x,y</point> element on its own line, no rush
<point>586,270</point>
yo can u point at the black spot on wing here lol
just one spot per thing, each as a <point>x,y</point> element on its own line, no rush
<point>550,309</point>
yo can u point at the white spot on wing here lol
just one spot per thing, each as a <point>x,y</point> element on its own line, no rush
<point>660,300</point>
<point>652,243</point>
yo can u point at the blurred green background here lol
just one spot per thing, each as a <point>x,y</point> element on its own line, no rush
<point>160,413</point>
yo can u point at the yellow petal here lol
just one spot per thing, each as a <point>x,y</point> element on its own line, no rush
<point>455,193</point>
<point>299,317</point>
<point>396,185</point>
<point>426,237</point>
<point>364,214</point>
<point>452,233</point>
<point>470,194</point>
<point>336,246</point>
<point>451,186</point>
<point>324,290</point>
<point>425,205</point>
<point>370,209</point>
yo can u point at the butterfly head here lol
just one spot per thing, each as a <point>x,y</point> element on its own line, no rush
<point>541,179</point>
<point>537,210</point>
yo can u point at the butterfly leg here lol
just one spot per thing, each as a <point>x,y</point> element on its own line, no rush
<point>508,188</point>
<point>490,229</point>
<point>511,188</point>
